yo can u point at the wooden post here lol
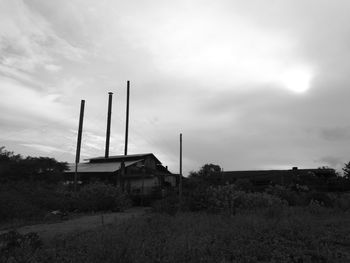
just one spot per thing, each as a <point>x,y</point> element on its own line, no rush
<point>180,177</point>
<point>108,132</point>
<point>77,155</point>
<point>127,118</point>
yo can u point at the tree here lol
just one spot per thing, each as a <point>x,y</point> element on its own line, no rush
<point>14,167</point>
<point>346,170</point>
<point>206,170</point>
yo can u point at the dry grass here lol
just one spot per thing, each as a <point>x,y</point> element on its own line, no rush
<point>297,235</point>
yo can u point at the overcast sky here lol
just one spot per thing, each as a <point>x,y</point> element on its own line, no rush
<point>250,84</point>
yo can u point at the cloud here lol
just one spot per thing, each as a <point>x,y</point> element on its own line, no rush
<point>332,161</point>
<point>52,67</point>
<point>43,148</point>
<point>223,73</point>
<point>30,106</point>
<point>336,133</point>
<point>27,41</point>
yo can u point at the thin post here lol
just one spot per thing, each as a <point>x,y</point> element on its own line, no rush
<point>127,118</point>
<point>108,132</point>
<point>77,155</point>
<point>180,178</point>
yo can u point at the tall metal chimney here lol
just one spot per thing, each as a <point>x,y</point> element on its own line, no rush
<point>127,118</point>
<point>108,133</point>
<point>77,155</point>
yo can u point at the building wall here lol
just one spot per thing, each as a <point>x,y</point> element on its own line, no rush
<point>145,186</point>
<point>171,179</point>
<point>150,163</point>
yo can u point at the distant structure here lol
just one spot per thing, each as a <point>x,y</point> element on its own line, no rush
<point>263,178</point>
<point>135,173</point>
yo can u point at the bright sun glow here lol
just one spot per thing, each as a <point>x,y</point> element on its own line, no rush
<point>297,80</point>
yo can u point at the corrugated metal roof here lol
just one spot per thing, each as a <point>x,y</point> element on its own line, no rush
<point>130,157</point>
<point>99,167</point>
<point>120,156</point>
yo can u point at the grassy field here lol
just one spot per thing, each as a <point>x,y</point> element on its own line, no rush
<point>291,235</point>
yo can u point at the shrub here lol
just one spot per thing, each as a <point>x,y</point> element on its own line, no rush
<point>14,205</point>
<point>229,199</point>
<point>15,247</point>
<point>316,207</point>
<point>102,197</point>
<point>322,198</point>
<point>169,205</point>
<point>259,200</point>
<point>244,184</point>
<point>293,198</point>
<point>32,200</point>
<point>196,199</point>
<point>223,198</point>
<point>341,201</point>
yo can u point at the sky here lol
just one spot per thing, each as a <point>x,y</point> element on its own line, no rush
<point>250,84</point>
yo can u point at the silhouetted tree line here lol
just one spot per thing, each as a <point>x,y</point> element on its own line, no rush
<point>327,181</point>
<point>14,167</point>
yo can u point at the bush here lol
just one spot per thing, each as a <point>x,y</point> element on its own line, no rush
<point>321,198</point>
<point>102,197</point>
<point>229,199</point>
<point>316,207</point>
<point>196,199</point>
<point>223,198</point>
<point>341,201</point>
<point>169,205</point>
<point>14,205</point>
<point>244,184</point>
<point>259,200</point>
<point>32,200</point>
<point>15,247</point>
<point>293,198</point>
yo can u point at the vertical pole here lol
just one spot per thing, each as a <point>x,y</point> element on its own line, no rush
<point>180,178</point>
<point>108,132</point>
<point>77,156</point>
<point>127,118</point>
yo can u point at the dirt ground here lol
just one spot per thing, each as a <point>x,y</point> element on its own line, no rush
<point>84,223</point>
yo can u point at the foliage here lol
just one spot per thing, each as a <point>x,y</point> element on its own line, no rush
<point>244,185</point>
<point>206,170</point>
<point>299,197</point>
<point>169,205</point>
<point>196,199</point>
<point>15,205</point>
<point>229,199</point>
<point>102,197</point>
<point>32,200</point>
<point>341,202</point>
<point>15,247</point>
<point>14,167</point>
<point>321,198</point>
<point>198,237</point>
<point>346,170</point>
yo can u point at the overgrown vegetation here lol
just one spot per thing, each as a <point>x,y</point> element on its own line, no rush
<point>33,200</point>
<point>31,187</point>
<point>297,235</point>
<point>213,222</point>
<point>14,167</point>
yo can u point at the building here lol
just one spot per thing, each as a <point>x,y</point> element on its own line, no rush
<point>136,173</point>
<point>263,178</point>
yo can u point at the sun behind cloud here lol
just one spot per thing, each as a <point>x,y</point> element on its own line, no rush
<point>297,79</point>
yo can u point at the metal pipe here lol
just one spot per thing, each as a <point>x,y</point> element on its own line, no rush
<point>77,155</point>
<point>180,178</point>
<point>108,132</point>
<point>127,118</point>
